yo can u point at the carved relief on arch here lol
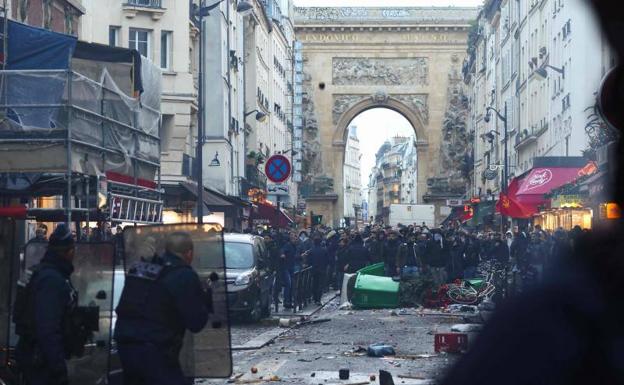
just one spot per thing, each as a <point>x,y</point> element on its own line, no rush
<point>358,71</point>
<point>419,102</point>
<point>343,102</point>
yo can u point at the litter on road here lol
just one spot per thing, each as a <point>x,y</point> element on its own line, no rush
<point>467,328</point>
<point>312,322</point>
<point>385,378</point>
<point>380,350</point>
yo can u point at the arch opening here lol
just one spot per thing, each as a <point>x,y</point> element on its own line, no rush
<point>379,165</point>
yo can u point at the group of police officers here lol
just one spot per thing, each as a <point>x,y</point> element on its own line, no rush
<point>162,299</point>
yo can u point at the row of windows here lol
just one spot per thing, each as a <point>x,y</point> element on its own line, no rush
<point>557,5</point>
<point>141,40</point>
<point>278,67</point>
<point>566,29</point>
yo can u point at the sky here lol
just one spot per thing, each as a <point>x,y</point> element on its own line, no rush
<point>374,127</point>
<point>387,3</point>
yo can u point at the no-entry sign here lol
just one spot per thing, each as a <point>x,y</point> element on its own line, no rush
<point>277,168</point>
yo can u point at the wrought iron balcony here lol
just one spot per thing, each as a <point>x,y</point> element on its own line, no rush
<point>145,3</point>
<point>132,7</point>
<point>255,177</point>
<point>525,137</point>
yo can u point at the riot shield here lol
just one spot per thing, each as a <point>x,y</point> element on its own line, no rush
<point>8,276</point>
<point>93,279</point>
<point>206,354</point>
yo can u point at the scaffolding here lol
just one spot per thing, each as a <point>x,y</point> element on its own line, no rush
<point>77,134</point>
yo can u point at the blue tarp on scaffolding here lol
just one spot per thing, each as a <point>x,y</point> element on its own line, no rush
<point>33,48</point>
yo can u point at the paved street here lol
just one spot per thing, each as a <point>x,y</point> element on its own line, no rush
<point>313,354</point>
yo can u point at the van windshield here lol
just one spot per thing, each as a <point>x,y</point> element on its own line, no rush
<point>238,255</point>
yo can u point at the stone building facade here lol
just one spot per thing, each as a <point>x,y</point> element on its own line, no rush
<point>56,15</point>
<point>352,177</point>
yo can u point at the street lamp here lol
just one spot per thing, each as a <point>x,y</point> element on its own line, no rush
<point>244,6</point>
<point>541,72</point>
<point>260,115</point>
<point>503,118</point>
<point>292,152</point>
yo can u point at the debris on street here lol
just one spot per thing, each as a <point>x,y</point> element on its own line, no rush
<point>312,322</point>
<point>467,328</point>
<point>385,378</point>
<point>451,343</point>
<point>380,350</point>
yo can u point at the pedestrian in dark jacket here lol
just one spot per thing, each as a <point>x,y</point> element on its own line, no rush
<point>437,258</point>
<point>41,352</point>
<point>318,259</point>
<point>375,246</point>
<point>455,267</point>
<point>500,252</point>
<point>471,258</point>
<point>341,261</point>
<point>286,272</point>
<point>391,251</point>
<point>357,255</point>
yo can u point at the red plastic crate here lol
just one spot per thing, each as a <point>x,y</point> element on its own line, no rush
<point>451,342</point>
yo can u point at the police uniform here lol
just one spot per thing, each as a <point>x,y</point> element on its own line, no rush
<point>41,313</point>
<point>160,301</point>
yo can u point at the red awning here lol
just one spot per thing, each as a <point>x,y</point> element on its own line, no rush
<point>526,194</point>
<point>267,214</point>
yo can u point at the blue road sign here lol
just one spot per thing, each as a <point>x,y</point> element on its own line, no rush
<point>277,168</point>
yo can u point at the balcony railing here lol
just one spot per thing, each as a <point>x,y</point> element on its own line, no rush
<point>144,3</point>
<point>525,137</point>
<point>256,178</point>
<point>153,7</point>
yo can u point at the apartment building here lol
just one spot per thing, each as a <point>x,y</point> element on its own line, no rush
<point>269,91</point>
<point>541,62</point>
<point>352,177</point>
<point>62,16</point>
<point>393,178</point>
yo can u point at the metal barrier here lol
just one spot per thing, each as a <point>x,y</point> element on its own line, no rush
<point>302,289</point>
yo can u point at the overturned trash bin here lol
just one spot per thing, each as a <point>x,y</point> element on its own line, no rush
<point>376,269</point>
<point>374,292</point>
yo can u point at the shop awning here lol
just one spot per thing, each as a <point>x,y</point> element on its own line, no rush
<point>526,194</point>
<point>267,214</point>
<point>211,199</point>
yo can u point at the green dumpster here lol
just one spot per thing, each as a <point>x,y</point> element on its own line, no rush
<point>376,269</point>
<point>372,291</point>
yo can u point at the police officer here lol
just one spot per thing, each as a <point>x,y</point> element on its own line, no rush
<point>41,310</point>
<point>153,314</point>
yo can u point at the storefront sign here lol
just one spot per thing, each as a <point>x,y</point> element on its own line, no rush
<point>538,178</point>
<point>610,211</point>
<point>567,201</point>
<point>455,202</point>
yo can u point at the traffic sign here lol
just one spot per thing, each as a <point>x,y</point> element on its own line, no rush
<point>278,168</point>
<point>278,189</point>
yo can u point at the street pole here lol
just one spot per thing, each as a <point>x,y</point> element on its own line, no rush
<point>200,122</point>
<point>505,162</point>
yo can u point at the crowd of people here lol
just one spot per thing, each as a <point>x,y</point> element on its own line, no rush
<point>446,254</point>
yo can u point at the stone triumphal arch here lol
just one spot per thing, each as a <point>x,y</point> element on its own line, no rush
<point>406,59</point>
